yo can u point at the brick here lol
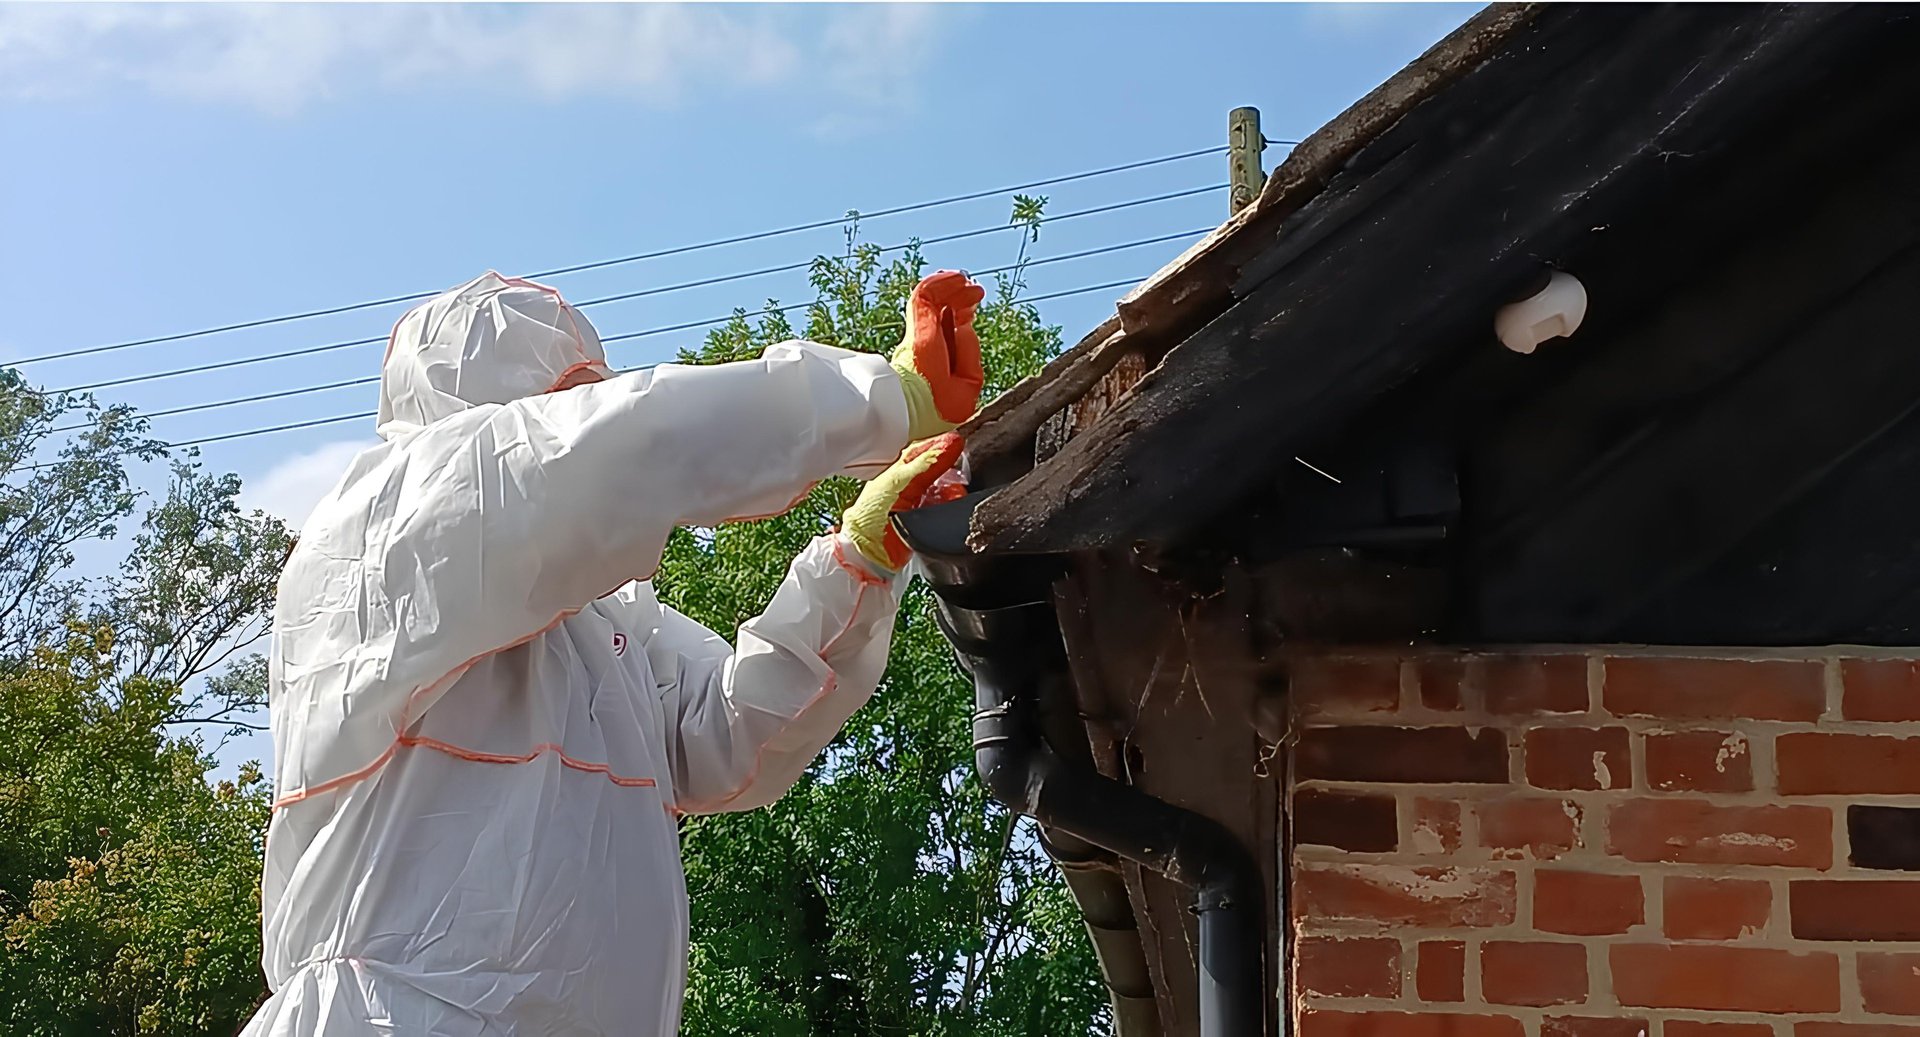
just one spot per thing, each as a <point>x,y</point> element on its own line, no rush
<point>1441,973</point>
<point>1577,903</point>
<point>1817,762</point>
<point>1890,983</point>
<point>1582,1026</point>
<point>1529,827</point>
<point>1349,821</point>
<point>1533,973</point>
<point>1715,689</point>
<point>1699,761</point>
<point>1316,1023</point>
<point>1880,689</point>
<point>1436,826</point>
<point>1854,1030</point>
<point>1349,968</point>
<point>1714,909</point>
<point>1868,909</point>
<point>1584,758</point>
<point>1730,979</point>
<point>1513,685</point>
<point>1884,838</point>
<point>1344,687</point>
<point>1690,831</point>
<point>1441,679</point>
<point>1694,1028</point>
<point>1402,754</point>
<point>1435,898</point>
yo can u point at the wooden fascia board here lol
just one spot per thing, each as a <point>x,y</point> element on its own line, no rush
<point>1192,287</point>
<point>1312,346</point>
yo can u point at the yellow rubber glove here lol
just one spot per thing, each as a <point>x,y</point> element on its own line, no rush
<point>902,487</point>
<point>939,359</point>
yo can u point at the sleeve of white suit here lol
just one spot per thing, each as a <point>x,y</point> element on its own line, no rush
<point>556,500</point>
<point>743,724</point>
<point>484,529</point>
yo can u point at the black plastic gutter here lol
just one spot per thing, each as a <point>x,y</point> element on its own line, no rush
<point>998,613</point>
<point>1094,879</point>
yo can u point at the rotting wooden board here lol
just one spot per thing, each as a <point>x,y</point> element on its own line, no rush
<point>1095,675</point>
<point>1332,596</point>
<point>1315,160</point>
<point>1107,393</point>
<point>1002,427</point>
<point>1091,680</point>
<point>1266,372</point>
<point>1105,682</point>
<point>1170,683</point>
<point>1163,307</point>
<point>1154,312</point>
<point>1004,406</point>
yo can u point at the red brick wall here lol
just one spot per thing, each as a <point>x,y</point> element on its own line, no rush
<point>1590,845</point>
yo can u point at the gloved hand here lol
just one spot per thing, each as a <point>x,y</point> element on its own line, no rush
<point>902,487</point>
<point>939,360</point>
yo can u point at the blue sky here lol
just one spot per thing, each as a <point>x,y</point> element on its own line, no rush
<point>175,167</point>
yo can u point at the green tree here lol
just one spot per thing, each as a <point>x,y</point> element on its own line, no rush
<point>885,894</point>
<point>141,907</point>
<point>128,885</point>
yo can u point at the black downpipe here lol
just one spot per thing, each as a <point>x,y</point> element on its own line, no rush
<point>998,613</point>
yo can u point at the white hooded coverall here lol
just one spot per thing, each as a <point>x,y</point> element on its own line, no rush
<point>484,722</point>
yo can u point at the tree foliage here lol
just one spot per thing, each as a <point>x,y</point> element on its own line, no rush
<point>885,894</point>
<point>128,885</point>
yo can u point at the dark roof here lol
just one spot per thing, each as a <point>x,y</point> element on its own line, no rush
<point>1195,285</point>
<point>1384,243</point>
<point>1738,189</point>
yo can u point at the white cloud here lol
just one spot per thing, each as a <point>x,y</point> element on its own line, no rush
<point>875,58</point>
<point>279,57</point>
<point>291,488</point>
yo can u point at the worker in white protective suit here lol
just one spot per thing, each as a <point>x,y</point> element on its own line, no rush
<point>484,722</point>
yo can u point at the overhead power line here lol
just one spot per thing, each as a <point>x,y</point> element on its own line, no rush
<point>221,365</point>
<point>709,322</point>
<point>368,415</point>
<point>638,257</point>
<point>943,239</point>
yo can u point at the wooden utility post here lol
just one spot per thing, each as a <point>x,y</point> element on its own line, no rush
<point>1244,145</point>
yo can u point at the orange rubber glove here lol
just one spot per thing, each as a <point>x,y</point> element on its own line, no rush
<point>902,487</point>
<point>939,360</point>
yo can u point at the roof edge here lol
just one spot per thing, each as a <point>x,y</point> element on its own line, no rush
<point>1162,307</point>
<point>1165,307</point>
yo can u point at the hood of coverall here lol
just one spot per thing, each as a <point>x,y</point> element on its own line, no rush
<point>492,340</point>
